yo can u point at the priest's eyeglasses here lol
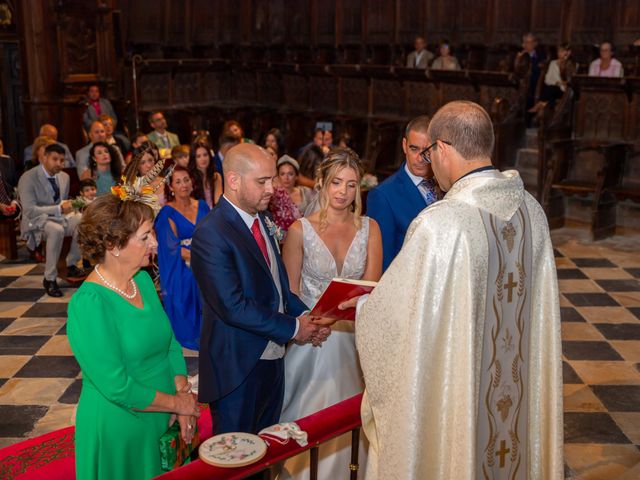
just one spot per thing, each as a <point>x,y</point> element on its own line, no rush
<point>424,154</point>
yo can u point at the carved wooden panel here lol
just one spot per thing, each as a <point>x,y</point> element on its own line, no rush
<point>441,18</point>
<point>325,22</point>
<point>295,91</point>
<point>354,96</point>
<point>323,95</point>
<point>298,24</point>
<point>409,20</point>
<point>155,90</point>
<point>451,91</point>
<point>350,18</point>
<point>187,89</point>
<point>601,115</point>
<point>546,20</point>
<point>230,21</point>
<point>244,82</point>
<point>511,20</point>
<point>270,89</point>
<point>177,28</point>
<point>627,22</point>
<point>204,22</point>
<point>144,23</point>
<point>472,17</point>
<point>591,21</point>
<point>513,97</point>
<point>420,99</point>
<point>217,86</point>
<point>388,98</point>
<point>77,46</point>
<point>380,22</point>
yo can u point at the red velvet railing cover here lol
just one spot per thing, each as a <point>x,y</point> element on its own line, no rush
<point>320,427</point>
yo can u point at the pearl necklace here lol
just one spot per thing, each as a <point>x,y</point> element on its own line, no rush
<point>116,289</point>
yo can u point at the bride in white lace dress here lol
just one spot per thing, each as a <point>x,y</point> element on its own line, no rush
<point>333,242</point>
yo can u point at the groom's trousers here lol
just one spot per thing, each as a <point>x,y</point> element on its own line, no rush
<point>255,404</point>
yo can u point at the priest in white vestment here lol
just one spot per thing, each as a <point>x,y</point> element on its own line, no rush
<point>460,341</point>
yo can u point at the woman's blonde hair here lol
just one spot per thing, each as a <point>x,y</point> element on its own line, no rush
<point>336,160</point>
<point>38,143</point>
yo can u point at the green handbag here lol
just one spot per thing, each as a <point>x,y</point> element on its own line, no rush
<point>174,452</point>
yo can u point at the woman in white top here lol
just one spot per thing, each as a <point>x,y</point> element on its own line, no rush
<point>336,241</point>
<point>558,75</point>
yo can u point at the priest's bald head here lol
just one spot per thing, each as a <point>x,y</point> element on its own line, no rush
<point>248,175</point>
<point>461,138</point>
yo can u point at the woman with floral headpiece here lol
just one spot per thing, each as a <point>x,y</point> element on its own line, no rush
<point>134,377</point>
<point>174,227</point>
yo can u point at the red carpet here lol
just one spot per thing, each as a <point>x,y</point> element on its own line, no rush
<point>51,456</point>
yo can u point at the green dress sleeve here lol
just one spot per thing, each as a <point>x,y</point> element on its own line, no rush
<point>176,359</point>
<point>94,339</point>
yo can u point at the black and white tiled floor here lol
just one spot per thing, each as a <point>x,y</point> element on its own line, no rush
<point>600,301</point>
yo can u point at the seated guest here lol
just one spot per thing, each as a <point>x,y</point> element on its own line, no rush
<point>529,62</point>
<point>134,374</point>
<point>225,143</point>
<point>37,151</point>
<point>289,201</point>
<point>180,155</point>
<point>96,106</point>
<point>309,161</point>
<point>113,138</point>
<point>420,57</point>
<point>401,197</point>
<point>104,167</point>
<point>345,141</point>
<point>145,157</point>
<point>275,139</point>
<point>50,131</point>
<point>327,141</point>
<point>207,183</point>
<point>44,194</point>
<point>160,136</point>
<point>558,74</point>
<point>445,61</point>
<point>234,129</point>
<point>97,134</point>
<point>138,139</point>
<point>174,227</point>
<point>606,65</point>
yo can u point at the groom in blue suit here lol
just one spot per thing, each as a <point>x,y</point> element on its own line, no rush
<point>401,197</point>
<point>249,313</point>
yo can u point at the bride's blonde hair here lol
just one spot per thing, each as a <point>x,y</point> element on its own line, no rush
<point>336,160</point>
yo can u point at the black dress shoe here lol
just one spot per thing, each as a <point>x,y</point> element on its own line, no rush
<point>52,288</point>
<point>75,274</point>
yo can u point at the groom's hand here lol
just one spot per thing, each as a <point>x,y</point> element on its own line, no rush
<point>306,330</point>
<point>320,337</point>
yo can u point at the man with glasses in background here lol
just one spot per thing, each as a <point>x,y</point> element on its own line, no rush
<point>401,197</point>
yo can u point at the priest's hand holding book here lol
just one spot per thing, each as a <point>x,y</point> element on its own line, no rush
<point>339,300</point>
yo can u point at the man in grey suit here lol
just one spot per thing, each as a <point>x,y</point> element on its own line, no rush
<point>43,192</point>
<point>421,57</point>
<point>97,106</point>
<point>163,138</point>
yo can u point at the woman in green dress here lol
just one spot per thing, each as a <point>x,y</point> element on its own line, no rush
<point>133,373</point>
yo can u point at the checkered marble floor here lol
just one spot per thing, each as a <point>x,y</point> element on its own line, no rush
<point>600,301</point>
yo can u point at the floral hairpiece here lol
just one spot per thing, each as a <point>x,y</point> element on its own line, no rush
<point>140,189</point>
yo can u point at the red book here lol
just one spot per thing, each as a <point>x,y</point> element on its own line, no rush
<point>338,291</point>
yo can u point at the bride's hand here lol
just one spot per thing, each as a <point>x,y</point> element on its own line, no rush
<point>323,321</point>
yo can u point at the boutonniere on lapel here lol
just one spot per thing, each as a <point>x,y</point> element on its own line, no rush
<point>274,231</point>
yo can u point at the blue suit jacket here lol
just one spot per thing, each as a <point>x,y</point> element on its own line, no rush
<point>240,301</point>
<point>394,204</point>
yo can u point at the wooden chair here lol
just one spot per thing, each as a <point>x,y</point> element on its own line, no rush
<point>629,186</point>
<point>584,169</point>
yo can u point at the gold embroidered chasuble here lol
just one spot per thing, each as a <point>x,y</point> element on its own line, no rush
<point>460,342</point>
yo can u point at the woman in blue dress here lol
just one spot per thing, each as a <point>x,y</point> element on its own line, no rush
<point>174,227</point>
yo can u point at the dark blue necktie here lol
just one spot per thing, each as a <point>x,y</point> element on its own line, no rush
<point>56,189</point>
